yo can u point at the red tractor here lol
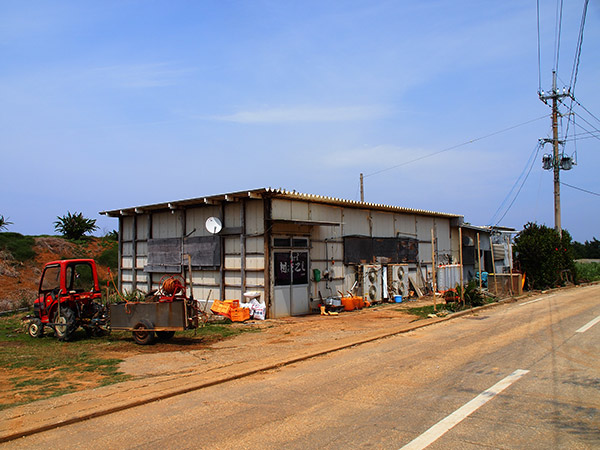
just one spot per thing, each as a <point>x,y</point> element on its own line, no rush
<point>69,298</point>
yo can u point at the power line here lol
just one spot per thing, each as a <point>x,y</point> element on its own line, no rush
<point>559,10</point>
<point>579,189</point>
<point>538,47</point>
<point>530,162</point>
<point>454,147</point>
<point>578,49</point>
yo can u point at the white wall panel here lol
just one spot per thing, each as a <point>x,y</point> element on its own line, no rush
<point>255,262</point>
<point>126,262</point>
<point>142,248</point>
<point>127,249</point>
<point>254,217</point>
<point>355,222</point>
<point>127,222</point>
<point>196,219</point>
<point>255,245</point>
<point>405,225</point>
<point>383,224</point>
<point>142,226</point>
<point>300,211</point>
<point>166,225</point>
<point>232,214</point>
<point>281,209</point>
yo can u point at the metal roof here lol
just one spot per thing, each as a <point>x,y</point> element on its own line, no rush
<point>270,193</point>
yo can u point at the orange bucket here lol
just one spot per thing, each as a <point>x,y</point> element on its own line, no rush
<point>348,303</point>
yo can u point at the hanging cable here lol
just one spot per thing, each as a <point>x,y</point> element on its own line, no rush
<point>578,49</point>
<point>558,28</point>
<point>528,164</point>
<point>579,189</point>
<point>453,147</point>
<point>537,149</point>
<point>538,47</point>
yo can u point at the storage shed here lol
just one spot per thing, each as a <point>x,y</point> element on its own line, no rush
<point>291,247</point>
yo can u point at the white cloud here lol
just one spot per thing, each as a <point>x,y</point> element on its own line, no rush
<point>306,114</point>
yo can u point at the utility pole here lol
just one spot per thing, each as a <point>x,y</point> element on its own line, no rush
<point>362,189</point>
<point>556,161</point>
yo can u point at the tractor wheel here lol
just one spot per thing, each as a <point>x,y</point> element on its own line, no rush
<point>35,328</point>
<point>164,335</point>
<point>67,326</point>
<point>143,332</point>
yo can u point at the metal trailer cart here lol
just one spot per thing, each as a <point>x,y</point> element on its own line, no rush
<point>148,321</point>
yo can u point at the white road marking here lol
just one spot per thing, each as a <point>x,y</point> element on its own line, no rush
<point>536,300</point>
<point>444,425</point>
<point>588,325</point>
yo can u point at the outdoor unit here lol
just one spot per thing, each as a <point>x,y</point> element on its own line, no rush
<point>398,279</point>
<point>372,283</point>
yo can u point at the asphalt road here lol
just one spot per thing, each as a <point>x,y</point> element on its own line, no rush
<point>518,376</point>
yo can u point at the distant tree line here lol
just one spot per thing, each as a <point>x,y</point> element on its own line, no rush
<point>588,250</point>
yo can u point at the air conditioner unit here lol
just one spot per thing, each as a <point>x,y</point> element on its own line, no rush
<point>398,279</point>
<point>372,283</point>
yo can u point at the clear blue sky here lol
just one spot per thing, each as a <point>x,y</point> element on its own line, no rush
<point>110,104</point>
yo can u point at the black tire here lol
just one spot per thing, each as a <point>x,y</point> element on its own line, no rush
<point>143,333</point>
<point>35,328</point>
<point>66,319</point>
<point>164,335</point>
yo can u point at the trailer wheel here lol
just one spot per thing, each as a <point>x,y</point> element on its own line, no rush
<point>35,328</point>
<point>165,335</point>
<point>143,332</point>
<point>67,326</point>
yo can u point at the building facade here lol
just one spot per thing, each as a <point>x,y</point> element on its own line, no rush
<point>295,249</point>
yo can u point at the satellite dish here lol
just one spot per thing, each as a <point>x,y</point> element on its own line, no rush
<point>213,225</point>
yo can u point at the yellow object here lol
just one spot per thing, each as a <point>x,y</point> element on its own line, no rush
<point>240,314</point>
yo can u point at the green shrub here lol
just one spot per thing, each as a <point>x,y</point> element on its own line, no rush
<point>110,257</point>
<point>544,255</point>
<point>472,296</point>
<point>74,226</point>
<point>19,246</point>
<point>588,271</point>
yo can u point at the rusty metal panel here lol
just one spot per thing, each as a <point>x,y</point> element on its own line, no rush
<point>124,316</point>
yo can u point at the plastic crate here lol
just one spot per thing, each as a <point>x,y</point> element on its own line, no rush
<point>239,314</point>
<point>221,308</point>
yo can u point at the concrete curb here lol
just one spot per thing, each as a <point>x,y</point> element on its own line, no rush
<point>195,386</point>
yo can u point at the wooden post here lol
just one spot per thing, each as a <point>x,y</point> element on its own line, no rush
<point>494,267</point>
<point>479,260</point>
<point>510,259</point>
<point>433,284</point>
<point>462,296</point>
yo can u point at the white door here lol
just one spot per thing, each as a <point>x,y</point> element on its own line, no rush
<point>291,282</point>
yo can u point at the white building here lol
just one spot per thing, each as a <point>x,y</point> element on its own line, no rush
<point>293,248</point>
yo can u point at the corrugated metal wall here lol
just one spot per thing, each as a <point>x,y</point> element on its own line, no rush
<point>243,237</point>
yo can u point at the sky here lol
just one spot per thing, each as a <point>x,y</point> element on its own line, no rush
<point>113,104</point>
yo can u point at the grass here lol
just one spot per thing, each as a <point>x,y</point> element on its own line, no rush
<point>35,369</point>
<point>19,246</point>
<point>588,271</point>
<point>422,312</point>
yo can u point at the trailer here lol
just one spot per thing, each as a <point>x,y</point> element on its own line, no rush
<point>69,297</point>
<point>153,320</point>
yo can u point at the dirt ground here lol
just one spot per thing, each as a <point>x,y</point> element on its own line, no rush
<point>277,338</point>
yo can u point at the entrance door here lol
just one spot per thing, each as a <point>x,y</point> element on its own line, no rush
<point>291,282</point>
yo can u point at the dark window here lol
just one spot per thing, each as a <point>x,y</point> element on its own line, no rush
<point>51,279</point>
<point>283,274</point>
<point>367,250</point>
<point>300,243</point>
<point>291,268</point>
<point>80,278</point>
<point>282,242</point>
